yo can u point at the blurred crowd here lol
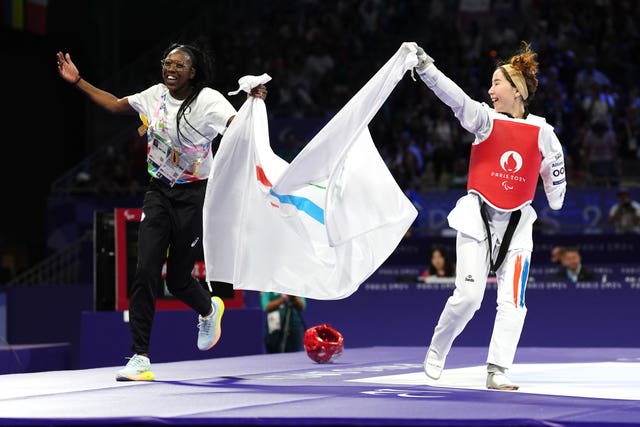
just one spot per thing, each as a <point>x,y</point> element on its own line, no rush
<point>320,53</point>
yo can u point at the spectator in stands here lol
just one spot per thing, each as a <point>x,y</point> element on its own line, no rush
<point>444,136</point>
<point>440,265</point>
<point>625,214</point>
<point>182,116</point>
<point>571,267</point>
<point>494,220</point>
<point>285,325</point>
<point>589,77</point>
<point>600,151</point>
<point>556,254</point>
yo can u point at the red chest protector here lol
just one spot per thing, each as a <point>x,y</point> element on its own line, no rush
<point>504,168</point>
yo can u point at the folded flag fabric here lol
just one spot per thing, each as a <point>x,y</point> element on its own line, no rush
<point>319,226</point>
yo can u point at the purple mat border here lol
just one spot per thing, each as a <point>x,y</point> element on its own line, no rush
<point>322,395</point>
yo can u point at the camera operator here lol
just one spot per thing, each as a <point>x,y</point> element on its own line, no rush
<point>625,215</point>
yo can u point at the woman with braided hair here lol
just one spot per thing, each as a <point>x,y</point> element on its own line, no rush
<point>182,116</point>
<point>494,220</point>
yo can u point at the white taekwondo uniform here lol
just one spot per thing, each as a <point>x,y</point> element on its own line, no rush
<point>506,158</point>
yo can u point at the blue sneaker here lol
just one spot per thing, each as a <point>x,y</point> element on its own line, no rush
<point>138,369</point>
<point>210,327</point>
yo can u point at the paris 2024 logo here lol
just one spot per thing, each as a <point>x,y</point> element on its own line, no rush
<point>511,163</point>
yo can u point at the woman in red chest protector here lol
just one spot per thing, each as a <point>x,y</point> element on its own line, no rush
<point>494,220</point>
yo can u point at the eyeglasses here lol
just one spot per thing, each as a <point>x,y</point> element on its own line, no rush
<point>178,65</point>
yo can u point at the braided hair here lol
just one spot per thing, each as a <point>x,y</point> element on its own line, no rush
<point>202,61</point>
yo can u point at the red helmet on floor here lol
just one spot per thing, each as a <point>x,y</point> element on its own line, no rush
<point>323,343</point>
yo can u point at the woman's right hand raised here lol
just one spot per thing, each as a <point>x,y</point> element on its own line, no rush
<point>67,69</point>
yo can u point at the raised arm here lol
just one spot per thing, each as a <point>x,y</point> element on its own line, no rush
<point>69,72</point>
<point>472,116</point>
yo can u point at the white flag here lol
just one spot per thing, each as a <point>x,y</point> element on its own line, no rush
<point>319,226</point>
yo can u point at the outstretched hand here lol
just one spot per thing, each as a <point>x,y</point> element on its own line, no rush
<point>424,60</point>
<point>259,91</point>
<point>67,69</point>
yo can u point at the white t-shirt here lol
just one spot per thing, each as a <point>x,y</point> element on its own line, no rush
<point>206,117</point>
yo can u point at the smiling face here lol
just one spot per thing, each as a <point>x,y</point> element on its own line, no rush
<point>177,73</point>
<point>505,97</point>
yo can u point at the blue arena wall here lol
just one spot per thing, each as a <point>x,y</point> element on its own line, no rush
<point>391,308</point>
<point>584,212</point>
